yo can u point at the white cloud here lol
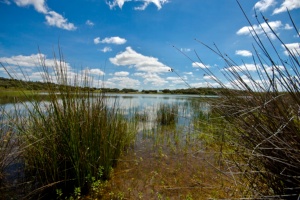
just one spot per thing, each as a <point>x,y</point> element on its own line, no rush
<point>188,73</point>
<point>245,53</point>
<point>201,65</point>
<point>29,61</point>
<point>209,77</point>
<point>293,47</point>
<point>105,49</point>
<point>24,61</point>
<point>114,40</point>
<point>89,23</point>
<point>275,25</point>
<point>96,72</point>
<point>122,73</point>
<point>55,19</point>
<point>245,67</point>
<point>115,3</point>
<point>288,27</point>
<point>143,63</point>
<point>120,3</point>
<point>39,5</point>
<point>97,40</point>
<point>263,5</point>
<point>287,4</point>
<point>52,17</point>
<point>110,40</point>
<point>185,49</point>
<point>176,80</point>
<point>272,69</point>
<point>124,82</point>
<point>154,79</point>
<point>139,74</point>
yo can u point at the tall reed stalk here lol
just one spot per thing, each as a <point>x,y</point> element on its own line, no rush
<point>263,111</point>
<point>73,138</point>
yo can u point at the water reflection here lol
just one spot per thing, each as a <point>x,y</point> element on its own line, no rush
<point>129,104</point>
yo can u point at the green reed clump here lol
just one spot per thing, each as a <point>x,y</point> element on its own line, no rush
<point>263,112</point>
<point>73,139</point>
<point>8,150</point>
<point>167,114</point>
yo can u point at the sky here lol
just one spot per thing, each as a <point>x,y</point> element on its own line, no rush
<point>135,43</point>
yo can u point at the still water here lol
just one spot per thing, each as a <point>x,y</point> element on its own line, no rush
<point>130,104</point>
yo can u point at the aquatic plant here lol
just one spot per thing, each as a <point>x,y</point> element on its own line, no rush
<point>71,140</point>
<point>167,114</point>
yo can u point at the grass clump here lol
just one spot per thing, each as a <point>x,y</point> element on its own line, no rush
<point>167,114</point>
<point>73,139</point>
<point>263,115</point>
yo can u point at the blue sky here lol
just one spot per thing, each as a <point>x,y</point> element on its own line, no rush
<point>134,43</point>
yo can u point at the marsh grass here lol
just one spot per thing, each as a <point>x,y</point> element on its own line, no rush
<point>173,162</point>
<point>73,139</point>
<point>167,114</point>
<point>262,114</point>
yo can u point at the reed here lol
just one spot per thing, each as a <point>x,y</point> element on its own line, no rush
<point>263,113</point>
<point>71,140</point>
<point>167,114</point>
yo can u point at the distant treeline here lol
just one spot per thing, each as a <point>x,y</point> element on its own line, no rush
<point>6,83</point>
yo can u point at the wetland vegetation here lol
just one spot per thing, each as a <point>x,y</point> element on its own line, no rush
<point>80,143</point>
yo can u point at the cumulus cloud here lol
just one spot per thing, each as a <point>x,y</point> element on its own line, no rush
<point>31,65</point>
<point>293,47</point>
<point>176,80</point>
<point>263,5</point>
<point>288,27</point>
<point>97,72</point>
<point>32,60</point>
<point>89,23</point>
<point>245,67</point>
<point>245,53</point>
<point>110,40</point>
<point>201,65</point>
<point>209,77</point>
<point>97,40</point>
<point>143,6</point>
<point>152,78</point>
<point>122,73</point>
<point>55,19</point>
<point>52,18</point>
<point>106,49</point>
<point>114,40</point>
<point>287,4</point>
<point>124,82</point>
<point>39,5</point>
<point>131,58</point>
<point>259,29</point>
